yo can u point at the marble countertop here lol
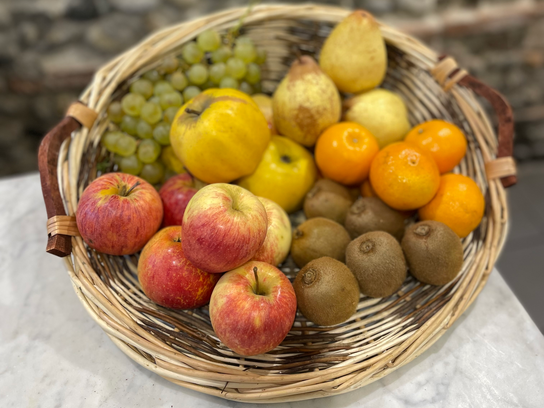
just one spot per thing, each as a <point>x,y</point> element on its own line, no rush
<point>53,354</point>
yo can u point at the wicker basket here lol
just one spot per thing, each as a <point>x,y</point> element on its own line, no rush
<point>312,362</point>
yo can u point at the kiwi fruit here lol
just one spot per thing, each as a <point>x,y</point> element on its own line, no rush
<point>328,199</point>
<point>372,214</point>
<point>433,251</point>
<point>319,237</point>
<point>327,292</point>
<point>377,261</point>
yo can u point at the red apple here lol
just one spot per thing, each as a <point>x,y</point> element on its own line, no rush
<point>176,194</point>
<point>118,213</point>
<point>168,278</point>
<point>223,227</point>
<point>253,308</point>
<point>277,243</point>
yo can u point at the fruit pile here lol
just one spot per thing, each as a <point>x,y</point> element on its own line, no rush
<point>139,136</point>
<point>378,196</point>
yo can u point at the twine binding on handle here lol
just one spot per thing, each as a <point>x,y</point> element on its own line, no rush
<point>501,167</point>
<point>84,115</point>
<point>447,73</point>
<point>62,224</point>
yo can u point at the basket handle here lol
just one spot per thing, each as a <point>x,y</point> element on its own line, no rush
<point>77,115</point>
<point>448,74</point>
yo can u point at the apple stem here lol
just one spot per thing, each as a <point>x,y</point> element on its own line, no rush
<point>194,112</point>
<point>133,187</point>
<point>256,280</point>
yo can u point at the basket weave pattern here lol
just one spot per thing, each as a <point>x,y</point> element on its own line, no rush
<point>312,362</point>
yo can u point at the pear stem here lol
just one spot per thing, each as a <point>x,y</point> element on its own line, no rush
<point>256,280</point>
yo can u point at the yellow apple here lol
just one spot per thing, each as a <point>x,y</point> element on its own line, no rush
<point>265,105</point>
<point>220,135</point>
<point>285,174</point>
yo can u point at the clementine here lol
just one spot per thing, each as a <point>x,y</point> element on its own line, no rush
<point>459,204</point>
<point>344,152</point>
<point>404,176</point>
<point>443,140</point>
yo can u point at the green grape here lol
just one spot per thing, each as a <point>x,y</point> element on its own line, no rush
<point>132,104</point>
<point>253,74</point>
<point>221,54</point>
<point>155,99</point>
<point>190,92</point>
<point>217,72</point>
<point>228,82</point>
<point>197,74</point>
<point>126,145</point>
<point>115,112</point>
<point>131,165</point>
<point>144,130</point>
<point>209,40</point>
<point>207,85</point>
<point>236,68</point>
<point>161,133</point>
<point>143,87</point>
<point>162,87</point>
<point>261,56</point>
<point>192,53</point>
<point>170,99</point>
<point>117,159</point>
<point>129,124</point>
<point>244,39</point>
<point>151,113</point>
<point>170,114</point>
<point>148,151</point>
<point>152,75</point>
<point>152,172</point>
<point>169,64</point>
<point>179,81</point>
<point>246,52</point>
<point>246,88</point>
<point>109,140</point>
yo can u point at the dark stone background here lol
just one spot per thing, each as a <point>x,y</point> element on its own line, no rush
<point>50,48</point>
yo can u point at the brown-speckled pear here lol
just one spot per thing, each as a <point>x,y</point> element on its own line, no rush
<point>354,54</point>
<point>306,102</point>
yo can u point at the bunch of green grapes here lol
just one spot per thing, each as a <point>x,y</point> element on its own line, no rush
<point>142,118</point>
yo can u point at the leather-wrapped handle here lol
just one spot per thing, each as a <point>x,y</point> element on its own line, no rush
<point>48,156</point>
<point>448,74</point>
<point>505,119</point>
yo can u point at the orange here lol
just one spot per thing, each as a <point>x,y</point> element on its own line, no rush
<point>443,140</point>
<point>344,152</point>
<point>404,176</point>
<point>367,190</point>
<point>459,204</point>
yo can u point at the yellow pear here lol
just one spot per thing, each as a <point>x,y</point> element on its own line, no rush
<point>305,103</point>
<point>354,54</point>
<point>382,112</point>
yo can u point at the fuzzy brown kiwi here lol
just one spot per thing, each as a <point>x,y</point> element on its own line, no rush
<point>377,261</point>
<point>433,251</point>
<point>372,214</point>
<point>328,199</point>
<point>319,237</point>
<point>327,292</point>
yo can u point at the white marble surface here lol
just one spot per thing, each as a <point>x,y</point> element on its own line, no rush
<point>53,355</point>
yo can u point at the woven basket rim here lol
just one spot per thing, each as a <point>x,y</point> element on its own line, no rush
<point>120,319</point>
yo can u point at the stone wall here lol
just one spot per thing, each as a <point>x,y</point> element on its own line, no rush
<point>50,48</point>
